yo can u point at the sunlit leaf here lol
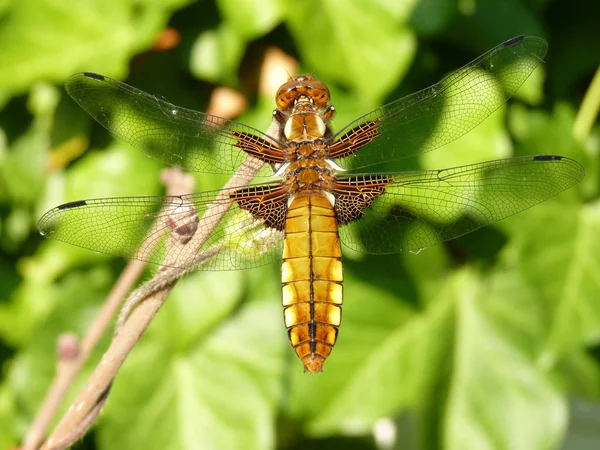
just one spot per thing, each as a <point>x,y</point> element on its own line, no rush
<point>370,66</point>
<point>498,397</point>
<point>39,313</point>
<point>383,360</point>
<point>249,18</point>
<point>210,372</point>
<point>216,54</point>
<point>8,437</point>
<point>92,36</point>
<point>561,261</point>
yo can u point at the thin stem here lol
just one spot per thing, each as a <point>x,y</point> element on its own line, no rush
<point>588,112</point>
<point>70,365</point>
<point>68,369</point>
<point>151,296</point>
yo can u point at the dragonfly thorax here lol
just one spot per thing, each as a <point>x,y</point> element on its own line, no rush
<point>304,123</point>
<point>309,174</point>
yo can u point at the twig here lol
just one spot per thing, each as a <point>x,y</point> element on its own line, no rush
<point>73,356</point>
<point>588,112</point>
<point>69,368</point>
<point>150,297</point>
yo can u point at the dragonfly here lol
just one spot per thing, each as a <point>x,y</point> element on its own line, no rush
<point>316,195</point>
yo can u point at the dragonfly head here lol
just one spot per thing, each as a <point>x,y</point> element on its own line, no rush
<point>305,86</point>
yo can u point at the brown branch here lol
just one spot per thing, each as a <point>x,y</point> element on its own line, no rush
<point>149,298</point>
<point>72,356</point>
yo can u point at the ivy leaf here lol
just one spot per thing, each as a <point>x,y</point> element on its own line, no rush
<point>251,19</point>
<point>92,36</point>
<point>8,438</point>
<point>216,55</point>
<point>334,48</point>
<point>540,132</point>
<point>22,167</point>
<point>385,359</point>
<point>209,386</point>
<point>38,313</point>
<point>431,16</point>
<point>561,262</point>
<point>497,391</point>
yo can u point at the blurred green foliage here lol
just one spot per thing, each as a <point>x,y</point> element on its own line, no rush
<point>491,341</point>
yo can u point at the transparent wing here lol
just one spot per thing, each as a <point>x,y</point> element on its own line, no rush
<point>423,208</point>
<point>441,113</point>
<point>176,136</point>
<point>140,227</point>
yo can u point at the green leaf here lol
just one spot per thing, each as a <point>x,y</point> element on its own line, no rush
<point>216,55</point>
<point>118,170</point>
<point>8,438</point>
<point>498,399</point>
<point>89,36</point>
<point>36,316</point>
<point>579,373</point>
<point>431,16</point>
<point>115,171</point>
<point>210,386</point>
<point>22,169</point>
<point>556,247</point>
<point>385,359</point>
<point>333,45</point>
<point>485,23</point>
<point>396,375</point>
<point>401,11</point>
<point>251,19</point>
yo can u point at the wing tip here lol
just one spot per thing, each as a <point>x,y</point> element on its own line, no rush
<point>533,44</point>
<point>577,171</point>
<point>46,224</point>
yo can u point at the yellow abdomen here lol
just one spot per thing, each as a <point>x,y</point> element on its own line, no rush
<point>312,278</point>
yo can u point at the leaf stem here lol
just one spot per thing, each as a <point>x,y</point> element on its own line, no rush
<point>586,116</point>
<point>148,299</point>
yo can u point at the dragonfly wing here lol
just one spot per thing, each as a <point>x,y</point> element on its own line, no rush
<point>145,228</point>
<point>423,208</point>
<point>441,113</point>
<point>177,136</point>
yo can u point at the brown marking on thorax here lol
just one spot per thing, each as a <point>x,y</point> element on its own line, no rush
<point>305,122</point>
<point>309,175</point>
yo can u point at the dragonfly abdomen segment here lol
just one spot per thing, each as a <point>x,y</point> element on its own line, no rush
<point>312,278</point>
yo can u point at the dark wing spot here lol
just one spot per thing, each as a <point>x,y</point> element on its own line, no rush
<point>75,204</point>
<point>513,41</point>
<point>95,76</point>
<point>547,158</point>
